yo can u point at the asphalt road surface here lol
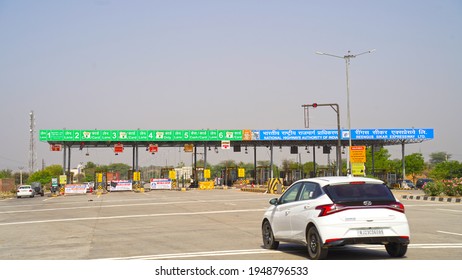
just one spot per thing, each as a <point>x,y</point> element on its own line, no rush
<point>190,225</point>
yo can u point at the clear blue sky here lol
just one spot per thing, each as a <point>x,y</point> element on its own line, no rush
<point>226,65</point>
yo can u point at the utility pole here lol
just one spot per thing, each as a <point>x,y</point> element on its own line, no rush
<point>20,174</point>
<point>347,59</point>
<point>32,152</point>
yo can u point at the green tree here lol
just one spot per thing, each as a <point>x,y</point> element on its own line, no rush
<point>447,170</point>
<point>381,159</point>
<point>44,176</point>
<point>415,164</point>
<point>395,166</point>
<point>120,168</point>
<point>286,166</point>
<point>200,163</point>
<point>17,177</point>
<point>308,169</point>
<point>439,157</point>
<point>263,162</point>
<point>228,163</point>
<point>55,170</point>
<point>6,173</point>
<point>90,165</point>
<point>89,170</point>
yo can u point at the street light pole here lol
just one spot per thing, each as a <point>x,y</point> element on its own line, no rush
<point>20,174</point>
<point>347,58</point>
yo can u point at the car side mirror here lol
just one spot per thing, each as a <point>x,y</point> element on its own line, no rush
<point>274,201</point>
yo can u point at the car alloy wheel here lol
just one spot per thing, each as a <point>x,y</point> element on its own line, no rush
<point>314,244</point>
<point>268,237</point>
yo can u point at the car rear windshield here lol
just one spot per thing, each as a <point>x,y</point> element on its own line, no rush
<point>357,193</point>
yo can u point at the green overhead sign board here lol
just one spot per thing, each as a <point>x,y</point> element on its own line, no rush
<point>139,135</point>
<point>233,135</point>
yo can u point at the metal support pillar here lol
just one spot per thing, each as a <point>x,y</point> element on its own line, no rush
<point>271,160</point>
<point>64,159</point>
<point>133,159</point>
<point>195,167</point>
<point>403,161</point>
<point>314,161</point>
<point>373,160</point>
<point>137,159</point>
<point>69,166</point>
<point>205,156</point>
<point>255,163</point>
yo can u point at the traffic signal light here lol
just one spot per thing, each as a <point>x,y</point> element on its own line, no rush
<point>82,144</point>
<point>315,105</point>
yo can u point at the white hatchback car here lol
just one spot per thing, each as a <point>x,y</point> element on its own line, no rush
<point>334,211</point>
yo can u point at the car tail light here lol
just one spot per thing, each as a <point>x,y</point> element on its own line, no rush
<point>357,183</point>
<point>397,206</point>
<point>329,209</point>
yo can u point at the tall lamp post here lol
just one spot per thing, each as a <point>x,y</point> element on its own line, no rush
<point>347,58</point>
<point>20,174</point>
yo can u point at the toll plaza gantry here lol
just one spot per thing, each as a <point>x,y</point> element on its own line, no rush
<point>151,140</point>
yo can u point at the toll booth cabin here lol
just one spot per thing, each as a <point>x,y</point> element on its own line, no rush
<point>263,175</point>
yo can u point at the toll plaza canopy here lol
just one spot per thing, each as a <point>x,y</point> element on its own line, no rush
<point>191,139</point>
<point>245,137</point>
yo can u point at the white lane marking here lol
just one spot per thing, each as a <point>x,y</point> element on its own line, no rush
<point>424,205</point>
<point>201,254</point>
<point>126,205</point>
<point>416,246</point>
<point>447,232</point>
<point>133,216</point>
<point>449,210</point>
<point>265,251</point>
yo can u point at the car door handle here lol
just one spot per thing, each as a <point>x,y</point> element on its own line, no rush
<point>287,213</point>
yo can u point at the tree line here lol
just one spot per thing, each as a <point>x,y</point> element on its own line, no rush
<point>439,166</point>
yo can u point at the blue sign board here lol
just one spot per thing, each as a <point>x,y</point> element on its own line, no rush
<point>356,134</point>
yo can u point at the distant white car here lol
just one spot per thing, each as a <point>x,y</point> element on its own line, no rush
<point>334,211</point>
<point>25,190</point>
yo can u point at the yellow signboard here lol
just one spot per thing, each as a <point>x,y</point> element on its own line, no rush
<point>209,185</point>
<point>206,173</point>
<point>62,179</point>
<point>172,174</point>
<point>188,148</point>
<point>358,154</point>
<point>241,172</point>
<point>136,176</point>
<point>99,177</point>
<point>358,169</point>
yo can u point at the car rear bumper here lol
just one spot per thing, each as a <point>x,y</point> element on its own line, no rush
<point>367,240</point>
